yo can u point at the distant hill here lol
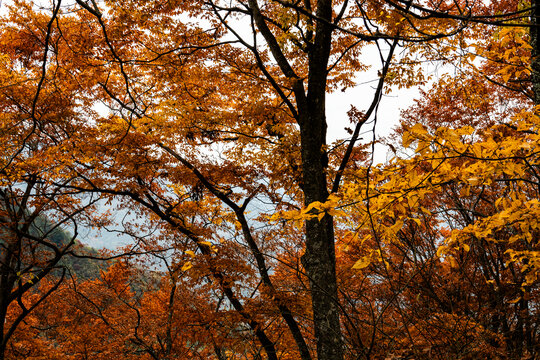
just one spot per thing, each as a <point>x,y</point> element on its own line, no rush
<point>82,268</point>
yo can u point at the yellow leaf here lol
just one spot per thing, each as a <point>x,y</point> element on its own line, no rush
<point>397,226</point>
<point>441,250</point>
<point>407,139</point>
<point>332,199</point>
<point>362,263</point>
<point>474,180</point>
<point>453,262</point>
<point>188,265</point>
<point>506,76</point>
<point>515,300</point>
<point>418,129</point>
<point>314,205</point>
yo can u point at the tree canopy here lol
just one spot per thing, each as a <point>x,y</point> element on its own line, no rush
<point>199,129</point>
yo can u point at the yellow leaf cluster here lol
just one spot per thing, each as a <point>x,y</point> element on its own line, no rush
<point>314,210</point>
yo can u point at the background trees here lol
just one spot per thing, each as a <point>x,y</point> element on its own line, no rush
<point>205,123</point>
<point>439,240</point>
<point>37,115</point>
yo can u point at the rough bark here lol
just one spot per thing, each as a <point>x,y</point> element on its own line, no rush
<point>319,258</point>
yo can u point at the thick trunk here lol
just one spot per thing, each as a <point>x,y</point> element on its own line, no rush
<point>319,259</point>
<point>319,262</point>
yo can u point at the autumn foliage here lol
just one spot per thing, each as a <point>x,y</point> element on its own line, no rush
<point>198,131</point>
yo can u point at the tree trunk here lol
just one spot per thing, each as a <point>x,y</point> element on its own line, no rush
<point>319,259</point>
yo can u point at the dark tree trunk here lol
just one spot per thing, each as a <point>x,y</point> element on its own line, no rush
<point>319,259</point>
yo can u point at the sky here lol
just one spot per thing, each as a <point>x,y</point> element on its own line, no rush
<point>361,96</point>
<point>388,113</point>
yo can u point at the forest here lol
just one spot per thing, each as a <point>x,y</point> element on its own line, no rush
<point>198,130</point>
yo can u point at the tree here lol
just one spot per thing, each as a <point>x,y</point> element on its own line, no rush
<point>200,129</point>
<point>35,205</point>
<point>450,242</point>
